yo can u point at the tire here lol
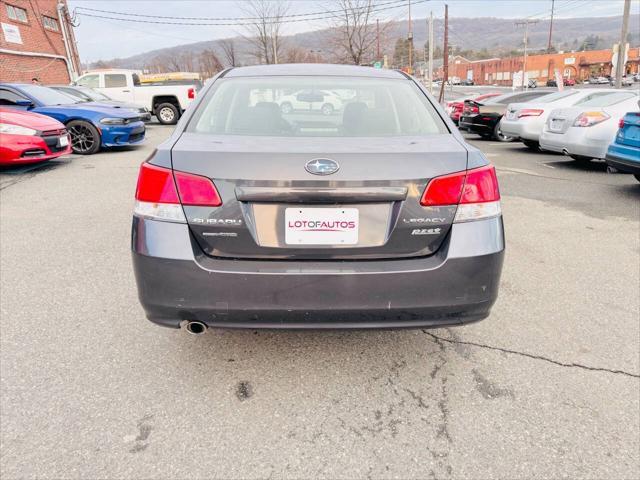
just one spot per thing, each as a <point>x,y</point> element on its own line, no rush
<point>498,135</point>
<point>167,114</point>
<point>532,145</point>
<point>327,109</point>
<point>286,108</point>
<point>637,175</point>
<point>85,138</point>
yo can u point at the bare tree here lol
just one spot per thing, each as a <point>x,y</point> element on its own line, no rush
<point>265,31</point>
<point>187,61</point>
<point>209,63</point>
<point>228,47</point>
<point>172,63</point>
<point>356,31</point>
<point>301,55</point>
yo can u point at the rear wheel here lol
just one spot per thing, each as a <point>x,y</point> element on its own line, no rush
<point>327,109</point>
<point>85,138</point>
<point>532,144</point>
<point>167,114</point>
<point>501,137</point>
<point>286,108</point>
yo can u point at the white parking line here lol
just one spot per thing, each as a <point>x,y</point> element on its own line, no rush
<point>547,165</point>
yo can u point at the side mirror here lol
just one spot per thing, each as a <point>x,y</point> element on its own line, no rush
<point>24,103</point>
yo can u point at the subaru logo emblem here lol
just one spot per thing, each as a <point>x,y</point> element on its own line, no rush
<point>321,166</point>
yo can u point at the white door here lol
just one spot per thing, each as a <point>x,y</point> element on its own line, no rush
<point>115,86</point>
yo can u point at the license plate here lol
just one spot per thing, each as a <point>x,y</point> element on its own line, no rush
<point>556,124</point>
<point>63,141</point>
<point>321,226</point>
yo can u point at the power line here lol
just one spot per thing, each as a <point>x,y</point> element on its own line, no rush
<point>388,5</point>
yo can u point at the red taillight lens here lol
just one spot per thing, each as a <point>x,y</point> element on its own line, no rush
<point>443,190</point>
<point>481,186</point>
<point>472,186</point>
<point>196,190</point>
<point>621,123</point>
<point>191,93</point>
<point>530,112</point>
<point>155,184</point>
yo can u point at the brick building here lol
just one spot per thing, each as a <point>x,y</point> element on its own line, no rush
<point>37,40</point>
<point>577,65</point>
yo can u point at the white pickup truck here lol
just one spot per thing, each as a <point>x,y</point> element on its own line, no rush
<point>166,102</point>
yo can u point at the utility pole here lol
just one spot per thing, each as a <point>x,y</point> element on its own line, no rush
<point>622,46</point>
<point>377,39</point>
<point>445,54</point>
<point>431,53</point>
<point>551,26</point>
<point>526,24</point>
<point>410,40</point>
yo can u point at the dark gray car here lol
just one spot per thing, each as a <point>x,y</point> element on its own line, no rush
<point>377,215</point>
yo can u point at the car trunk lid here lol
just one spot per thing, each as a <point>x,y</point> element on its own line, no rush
<point>272,207</point>
<point>629,134</point>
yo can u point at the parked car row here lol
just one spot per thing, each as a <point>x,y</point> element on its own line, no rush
<point>584,124</point>
<point>39,123</point>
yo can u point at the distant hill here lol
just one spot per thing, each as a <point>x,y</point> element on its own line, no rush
<point>497,35</point>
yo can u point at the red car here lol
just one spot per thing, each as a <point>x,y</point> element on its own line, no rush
<point>27,137</point>
<point>456,107</point>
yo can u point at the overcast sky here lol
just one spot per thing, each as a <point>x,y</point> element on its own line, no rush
<point>101,38</point>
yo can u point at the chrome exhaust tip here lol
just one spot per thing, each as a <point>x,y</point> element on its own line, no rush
<point>195,328</point>
<point>611,169</point>
<point>565,151</point>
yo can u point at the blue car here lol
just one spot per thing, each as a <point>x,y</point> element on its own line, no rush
<point>91,125</point>
<point>624,153</point>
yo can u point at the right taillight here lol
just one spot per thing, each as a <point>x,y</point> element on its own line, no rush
<point>475,191</point>
<point>161,192</point>
<point>621,123</point>
<point>588,119</point>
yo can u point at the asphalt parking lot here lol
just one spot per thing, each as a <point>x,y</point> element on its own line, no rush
<point>547,387</point>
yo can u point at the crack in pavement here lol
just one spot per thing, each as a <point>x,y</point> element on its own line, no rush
<point>535,357</point>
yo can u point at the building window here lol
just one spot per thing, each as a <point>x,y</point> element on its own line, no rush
<point>16,13</point>
<point>50,23</point>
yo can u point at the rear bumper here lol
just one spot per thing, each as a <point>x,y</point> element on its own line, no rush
<point>624,158</point>
<point>590,142</point>
<point>528,128</point>
<point>457,285</point>
<point>474,126</point>
<point>553,142</point>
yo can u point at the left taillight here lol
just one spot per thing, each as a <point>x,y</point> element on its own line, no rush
<point>160,196</point>
<point>191,93</point>
<point>475,192</point>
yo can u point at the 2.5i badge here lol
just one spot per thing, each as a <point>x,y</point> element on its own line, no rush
<point>426,231</point>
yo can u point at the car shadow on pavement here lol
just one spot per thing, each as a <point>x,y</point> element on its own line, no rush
<point>34,167</point>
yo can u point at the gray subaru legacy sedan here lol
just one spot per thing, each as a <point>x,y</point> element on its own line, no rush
<point>316,196</point>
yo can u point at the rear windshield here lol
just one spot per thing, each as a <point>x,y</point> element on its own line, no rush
<point>552,97</point>
<point>606,100</point>
<point>316,107</point>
